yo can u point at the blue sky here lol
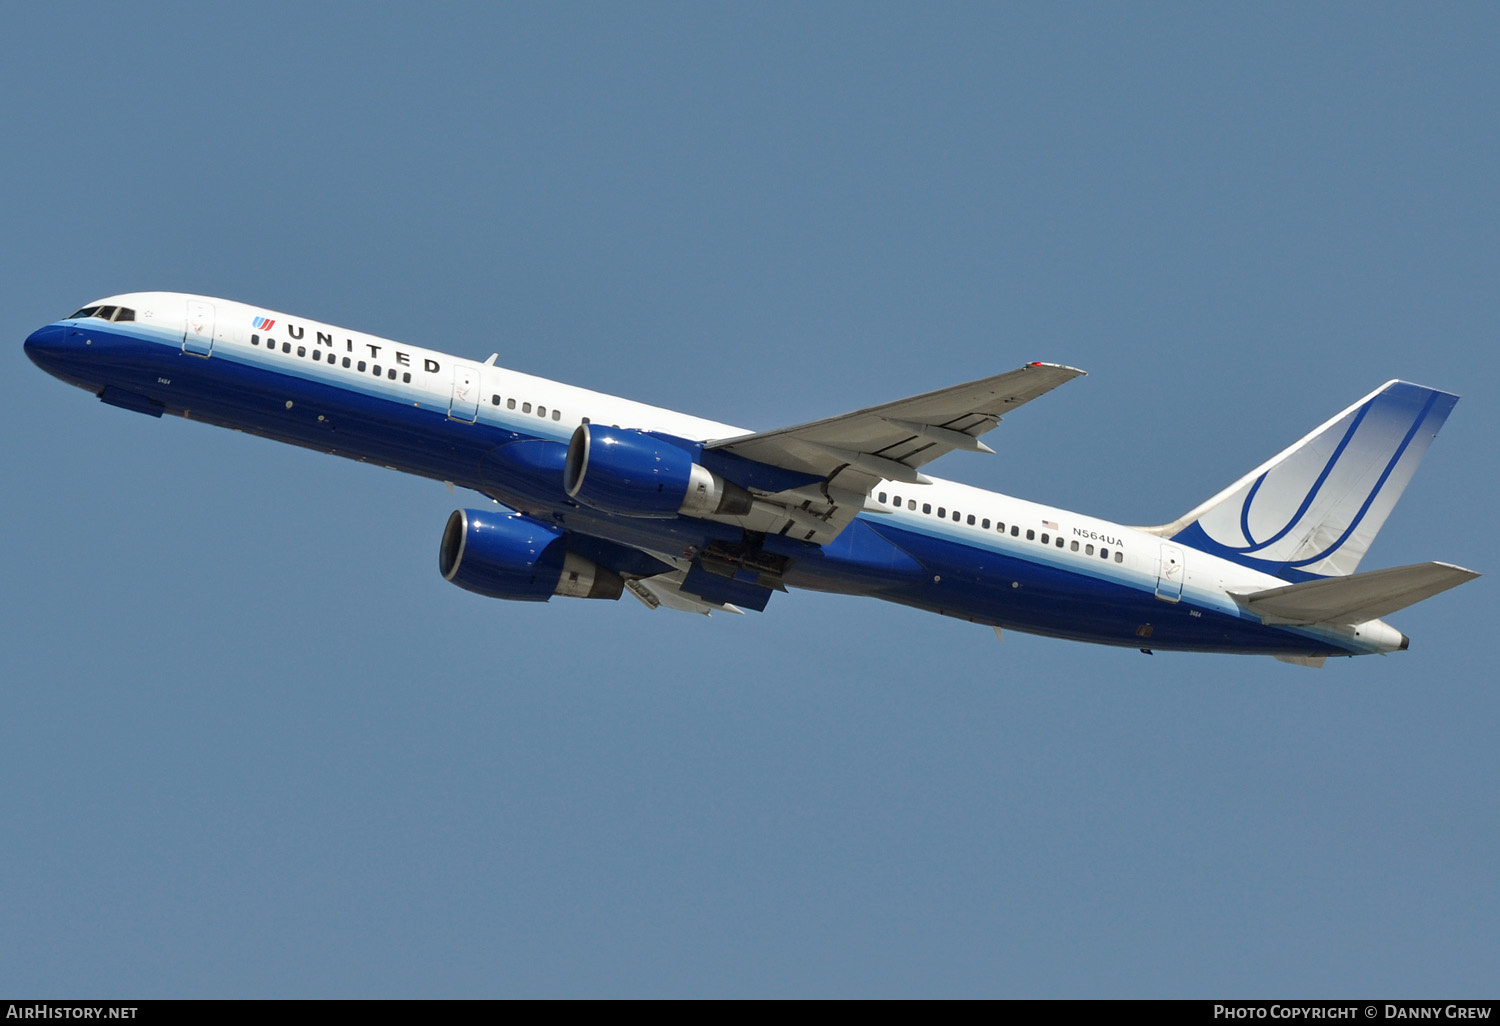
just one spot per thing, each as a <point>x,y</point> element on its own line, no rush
<point>254,745</point>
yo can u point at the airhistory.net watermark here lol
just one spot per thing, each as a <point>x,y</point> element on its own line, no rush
<point>42,1010</point>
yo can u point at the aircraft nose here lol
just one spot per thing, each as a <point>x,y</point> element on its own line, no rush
<point>46,344</point>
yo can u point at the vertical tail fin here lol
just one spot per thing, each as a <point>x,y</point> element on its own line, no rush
<point>1313,509</point>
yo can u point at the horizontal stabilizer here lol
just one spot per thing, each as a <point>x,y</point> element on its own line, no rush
<point>1356,598</point>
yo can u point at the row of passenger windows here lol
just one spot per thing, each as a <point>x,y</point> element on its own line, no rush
<point>106,313</point>
<point>541,411</point>
<point>1015,532</point>
<point>317,355</point>
<point>390,373</point>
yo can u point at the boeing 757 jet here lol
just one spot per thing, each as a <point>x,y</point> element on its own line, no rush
<point>594,496</point>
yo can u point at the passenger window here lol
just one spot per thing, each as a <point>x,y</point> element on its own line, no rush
<point>942,512</point>
<point>1119,556</point>
<point>956,516</point>
<point>1059,541</point>
<point>971,521</point>
<point>557,415</point>
<point>391,374</point>
<point>1088,550</point>
<point>318,355</point>
<point>510,404</point>
<point>286,347</point>
<point>361,366</point>
<point>255,340</point>
<point>301,351</point>
<point>1030,534</point>
<point>541,411</point>
<point>882,498</point>
<point>406,377</point>
<point>1046,539</point>
<point>985,524</point>
<point>1103,553</point>
<point>926,507</point>
<point>376,368</point>
<point>494,400</point>
<point>1014,531</point>
<point>346,361</point>
<point>525,407</point>
<point>1074,546</point>
<point>911,504</point>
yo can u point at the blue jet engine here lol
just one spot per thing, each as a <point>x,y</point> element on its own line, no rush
<point>515,557</point>
<point>635,474</point>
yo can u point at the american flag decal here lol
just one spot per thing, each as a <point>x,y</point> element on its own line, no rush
<point>263,323</point>
<point>1048,523</point>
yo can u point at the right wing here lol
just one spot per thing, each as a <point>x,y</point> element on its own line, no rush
<point>852,452</point>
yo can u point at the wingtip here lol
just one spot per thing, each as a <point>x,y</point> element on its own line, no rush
<point>1469,575</point>
<point>1074,371</point>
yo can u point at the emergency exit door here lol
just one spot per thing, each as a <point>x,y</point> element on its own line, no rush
<point>464,405</point>
<point>1169,574</point>
<point>198,336</point>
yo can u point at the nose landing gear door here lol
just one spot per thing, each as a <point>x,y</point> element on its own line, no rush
<point>198,336</point>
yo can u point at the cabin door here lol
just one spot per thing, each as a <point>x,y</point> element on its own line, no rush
<point>1169,574</point>
<point>464,405</point>
<point>198,337</point>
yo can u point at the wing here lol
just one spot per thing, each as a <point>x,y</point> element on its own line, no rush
<point>849,455</point>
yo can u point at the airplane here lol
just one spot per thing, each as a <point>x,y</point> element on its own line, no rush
<point>595,496</point>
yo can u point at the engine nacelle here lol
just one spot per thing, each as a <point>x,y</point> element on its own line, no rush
<point>516,557</point>
<point>620,470</point>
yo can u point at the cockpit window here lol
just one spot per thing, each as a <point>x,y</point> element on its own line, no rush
<point>107,313</point>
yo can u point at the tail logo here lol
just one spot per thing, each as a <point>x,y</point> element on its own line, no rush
<point>1315,508</point>
<point>1278,508</point>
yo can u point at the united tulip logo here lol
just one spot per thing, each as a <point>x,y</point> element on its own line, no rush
<point>263,323</point>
